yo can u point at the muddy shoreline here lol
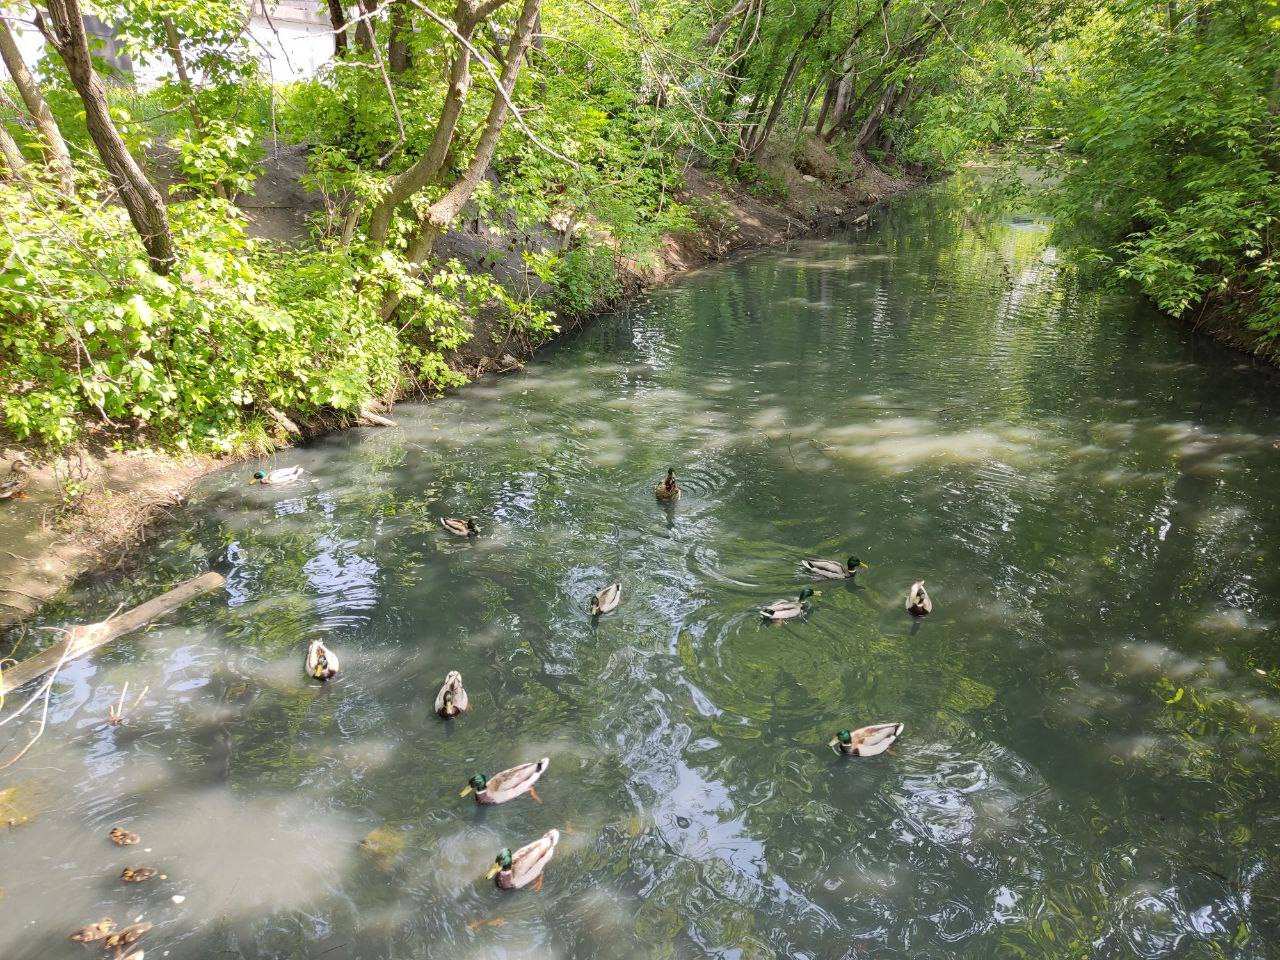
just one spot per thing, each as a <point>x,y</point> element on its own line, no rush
<point>85,510</point>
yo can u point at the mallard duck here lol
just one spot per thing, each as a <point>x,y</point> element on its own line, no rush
<point>788,609</point>
<point>832,569</point>
<point>16,484</point>
<point>525,866</point>
<point>508,784</point>
<point>606,599</point>
<point>452,699</point>
<point>274,478</point>
<point>94,931</point>
<point>867,741</point>
<point>918,602</point>
<point>122,838</point>
<point>464,527</point>
<point>126,936</point>
<point>668,490</point>
<point>140,874</point>
<point>322,663</point>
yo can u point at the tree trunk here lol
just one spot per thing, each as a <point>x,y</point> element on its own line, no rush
<point>398,42</point>
<point>723,25</point>
<point>788,78</point>
<point>338,19</point>
<point>59,159</point>
<point>828,98</point>
<point>12,163</point>
<point>365,37</point>
<point>140,197</point>
<point>445,210</point>
<point>428,166</point>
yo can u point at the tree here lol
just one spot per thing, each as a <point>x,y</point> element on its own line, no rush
<point>468,17</point>
<point>56,153</point>
<point>66,34</point>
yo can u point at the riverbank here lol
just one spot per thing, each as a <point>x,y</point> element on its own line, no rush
<point>84,510</point>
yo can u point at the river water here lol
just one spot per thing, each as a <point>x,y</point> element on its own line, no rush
<point>1090,762</point>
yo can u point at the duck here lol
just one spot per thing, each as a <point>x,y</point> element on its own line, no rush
<point>788,609</point>
<point>275,478</point>
<point>668,491</point>
<point>464,527</point>
<point>606,599</point>
<point>525,866</point>
<point>16,485</point>
<point>123,838</point>
<point>322,663</point>
<point>127,936</point>
<point>918,602</point>
<point>508,784</point>
<point>833,569</point>
<point>867,741</point>
<point>140,874</point>
<point>452,698</point>
<point>94,931</point>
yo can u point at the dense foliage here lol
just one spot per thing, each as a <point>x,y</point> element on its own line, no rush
<point>172,324</point>
<point>1169,162</point>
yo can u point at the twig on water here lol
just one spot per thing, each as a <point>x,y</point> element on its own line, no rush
<point>46,689</point>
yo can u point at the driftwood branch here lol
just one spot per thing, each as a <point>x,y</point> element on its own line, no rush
<point>86,638</point>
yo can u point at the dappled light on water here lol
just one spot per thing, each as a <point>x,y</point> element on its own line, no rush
<point>1090,761</point>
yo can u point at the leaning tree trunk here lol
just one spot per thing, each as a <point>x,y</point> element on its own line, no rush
<point>55,147</point>
<point>12,164</point>
<point>468,16</point>
<point>140,197</point>
<point>445,210</point>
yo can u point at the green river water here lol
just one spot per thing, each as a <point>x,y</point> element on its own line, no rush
<point>1089,767</point>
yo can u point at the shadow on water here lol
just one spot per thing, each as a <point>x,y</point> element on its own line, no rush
<point>1090,759</point>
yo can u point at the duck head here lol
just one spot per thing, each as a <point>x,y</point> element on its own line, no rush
<point>476,783</point>
<point>501,862</point>
<point>844,737</point>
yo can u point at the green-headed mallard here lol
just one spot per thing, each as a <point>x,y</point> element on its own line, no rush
<point>867,741</point>
<point>668,491</point>
<point>508,784</point>
<point>94,931</point>
<point>918,602</point>
<point>606,599</point>
<point>788,609</point>
<point>525,866</point>
<point>322,663</point>
<point>15,485</point>
<point>832,569</point>
<point>123,838</point>
<point>460,527</point>
<point>274,478</point>
<point>452,698</point>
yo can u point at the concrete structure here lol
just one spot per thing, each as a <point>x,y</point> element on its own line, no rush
<point>292,40</point>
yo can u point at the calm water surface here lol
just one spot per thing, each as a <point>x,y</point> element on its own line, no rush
<point>1090,761</point>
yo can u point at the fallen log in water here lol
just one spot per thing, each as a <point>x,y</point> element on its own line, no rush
<point>85,638</point>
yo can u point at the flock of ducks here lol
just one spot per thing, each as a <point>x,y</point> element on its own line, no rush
<point>514,870</point>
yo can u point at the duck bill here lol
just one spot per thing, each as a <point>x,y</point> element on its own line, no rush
<point>493,872</point>
<point>465,791</point>
<point>833,742</point>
